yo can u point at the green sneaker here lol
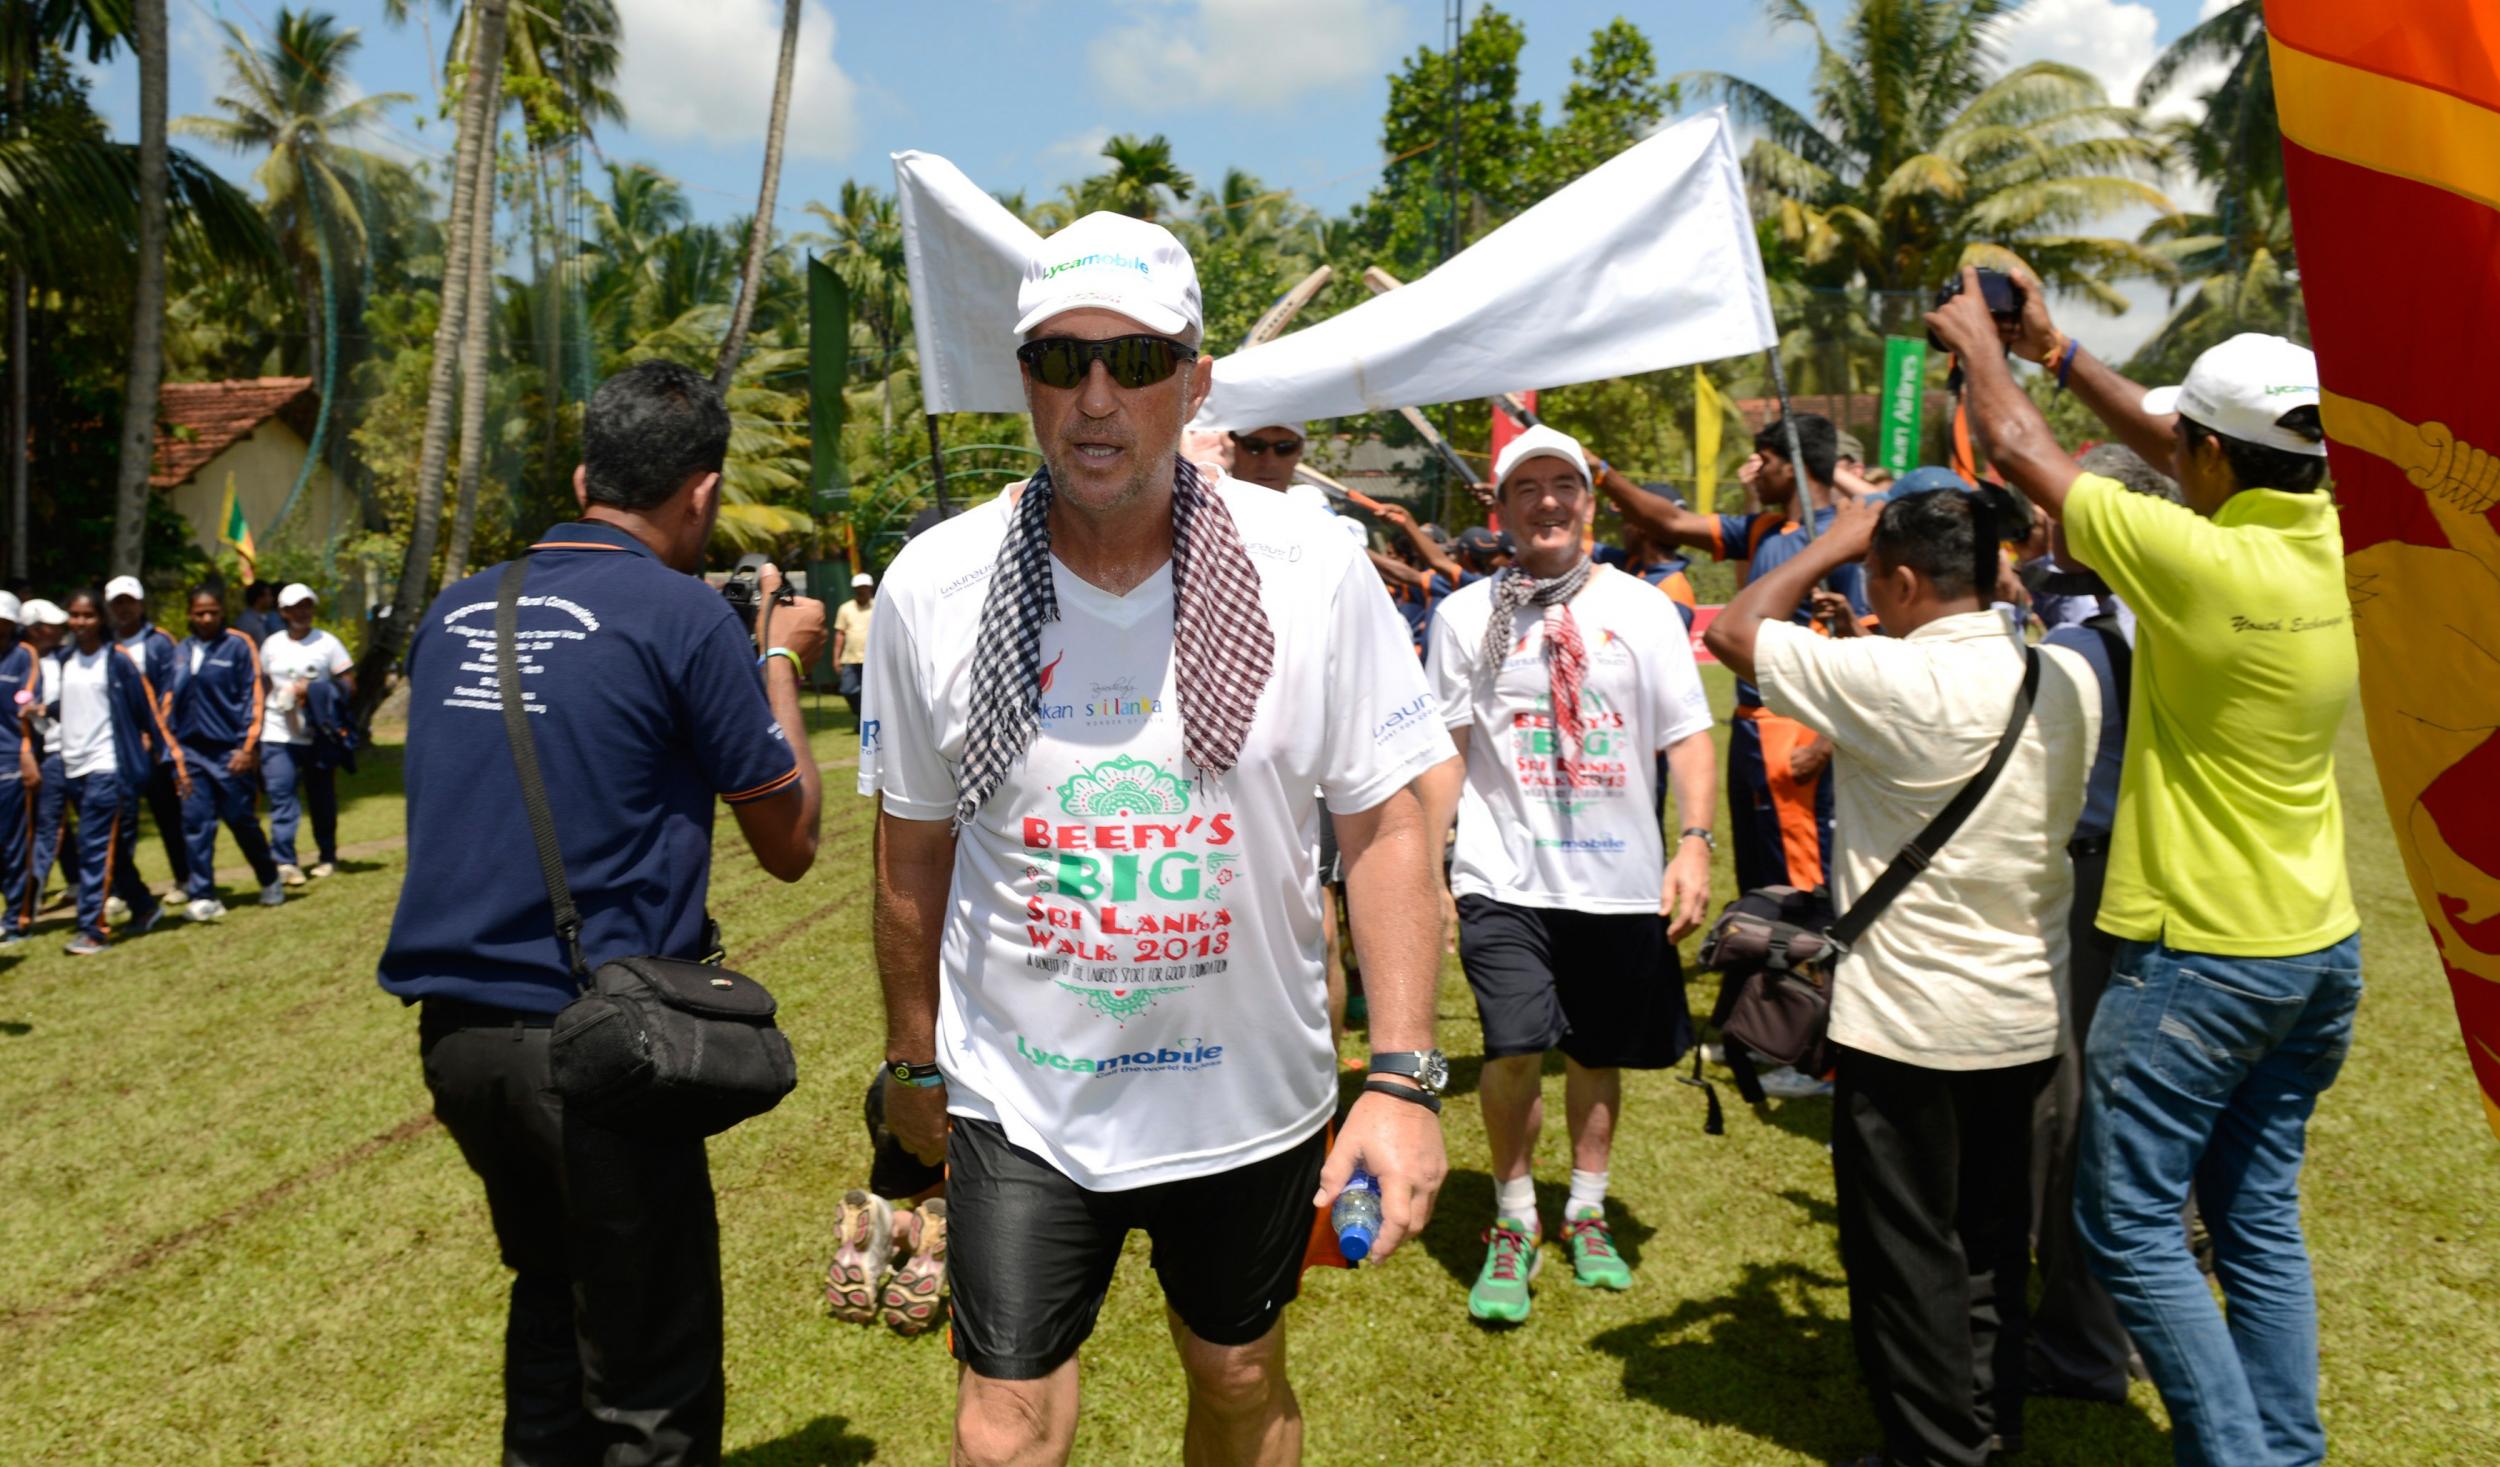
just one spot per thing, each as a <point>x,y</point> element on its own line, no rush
<point>1510,1264</point>
<point>1594,1262</point>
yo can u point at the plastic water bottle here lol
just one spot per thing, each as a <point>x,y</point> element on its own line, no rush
<point>1356,1215</point>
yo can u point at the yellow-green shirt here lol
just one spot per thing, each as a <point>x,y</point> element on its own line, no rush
<point>2230,836</point>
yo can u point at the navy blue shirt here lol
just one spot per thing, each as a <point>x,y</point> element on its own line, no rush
<point>2100,790</point>
<point>1770,539</point>
<point>646,702</point>
<point>218,705</point>
<point>164,672</point>
<point>17,675</point>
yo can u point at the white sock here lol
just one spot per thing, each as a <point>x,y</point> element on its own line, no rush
<point>1588,1189</point>
<point>1516,1198</point>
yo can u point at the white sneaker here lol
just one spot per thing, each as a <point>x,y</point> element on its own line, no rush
<point>116,910</point>
<point>206,909</point>
<point>291,875</point>
<point>1787,1084</point>
<point>324,869</point>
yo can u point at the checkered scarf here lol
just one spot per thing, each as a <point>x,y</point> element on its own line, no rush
<point>1566,656</point>
<point>1220,638</point>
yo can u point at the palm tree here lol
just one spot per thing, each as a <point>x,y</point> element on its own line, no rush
<point>1922,156</point>
<point>760,240</point>
<point>476,341</point>
<point>480,89</point>
<point>289,99</point>
<point>1143,180</point>
<point>147,306</point>
<point>2238,143</point>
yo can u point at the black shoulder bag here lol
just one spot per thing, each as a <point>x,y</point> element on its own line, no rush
<point>1775,947</point>
<point>654,1046</point>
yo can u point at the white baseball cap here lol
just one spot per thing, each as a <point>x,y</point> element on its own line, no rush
<point>41,613</point>
<point>1539,442</point>
<point>296,591</point>
<point>9,609</point>
<point>120,586</point>
<point>862,579</point>
<point>2239,388</point>
<point>1111,262</point>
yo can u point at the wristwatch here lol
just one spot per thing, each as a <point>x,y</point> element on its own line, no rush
<point>1428,1068</point>
<point>1700,833</point>
<point>919,1077</point>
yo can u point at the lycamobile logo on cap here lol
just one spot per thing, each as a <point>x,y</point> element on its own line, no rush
<point>1117,262</point>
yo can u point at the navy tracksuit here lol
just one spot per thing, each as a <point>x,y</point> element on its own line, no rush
<point>165,672</point>
<point>217,711</point>
<point>107,801</point>
<point>17,814</point>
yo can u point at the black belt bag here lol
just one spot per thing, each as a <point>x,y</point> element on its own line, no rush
<point>662,1047</point>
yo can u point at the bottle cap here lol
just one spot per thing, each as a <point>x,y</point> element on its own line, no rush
<point>1354,1243</point>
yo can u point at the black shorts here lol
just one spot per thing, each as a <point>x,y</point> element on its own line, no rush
<point>1331,860</point>
<point>1030,1253</point>
<point>1605,988</point>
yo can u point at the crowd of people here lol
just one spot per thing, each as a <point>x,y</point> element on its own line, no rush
<point>111,714</point>
<point>1157,737</point>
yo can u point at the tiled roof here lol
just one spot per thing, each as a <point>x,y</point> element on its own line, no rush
<point>196,421</point>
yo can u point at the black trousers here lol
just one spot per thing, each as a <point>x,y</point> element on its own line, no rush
<point>2078,1347</point>
<point>1932,1171</point>
<point>165,808</point>
<point>612,1350</point>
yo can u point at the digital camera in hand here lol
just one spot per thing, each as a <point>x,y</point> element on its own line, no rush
<point>744,590</point>
<point>2004,298</point>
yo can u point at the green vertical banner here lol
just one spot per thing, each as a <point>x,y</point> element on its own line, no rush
<point>829,471</point>
<point>1905,394</point>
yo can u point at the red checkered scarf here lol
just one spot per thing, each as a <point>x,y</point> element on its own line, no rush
<point>1566,656</point>
<point>1221,639</point>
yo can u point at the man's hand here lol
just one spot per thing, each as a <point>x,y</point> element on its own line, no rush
<point>2037,339</point>
<point>1806,761</point>
<point>1398,515</point>
<point>1684,900</point>
<point>182,781</point>
<point>916,1114</point>
<point>799,626</point>
<point>1835,611</point>
<point>1964,325</point>
<point>1853,525</point>
<point>1399,1143</point>
<point>1750,470</point>
<point>243,760</point>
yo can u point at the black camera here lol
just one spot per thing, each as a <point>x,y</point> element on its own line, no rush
<point>744,590</point>
<point>2004,298</point>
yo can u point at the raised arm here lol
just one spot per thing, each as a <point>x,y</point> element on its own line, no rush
<point>2019,442</point>
<point>1655,515</point>
<point>1774,595</point>
<point>2117,402</point>
<point>1434,557</point>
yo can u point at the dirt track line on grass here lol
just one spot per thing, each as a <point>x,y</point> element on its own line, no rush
<point>261,1201</point>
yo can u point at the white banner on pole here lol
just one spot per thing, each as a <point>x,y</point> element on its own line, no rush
<point>965,254</point>
<point>1644,263</point>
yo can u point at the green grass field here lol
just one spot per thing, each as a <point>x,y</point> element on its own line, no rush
<point>230,1231</point>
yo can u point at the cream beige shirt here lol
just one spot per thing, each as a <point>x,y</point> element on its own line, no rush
<point>851,620</point>
<point>1965,970</point>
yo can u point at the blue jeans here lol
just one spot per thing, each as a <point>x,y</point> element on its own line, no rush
<point>294,783</point>
<point>2202,1071</point>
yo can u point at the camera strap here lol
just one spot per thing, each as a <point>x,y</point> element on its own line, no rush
<point>1921,849</point>
<point>516,728</point>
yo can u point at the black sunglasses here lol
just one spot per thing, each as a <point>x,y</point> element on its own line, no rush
<point>1261,447</point>
<point>1133,361</point>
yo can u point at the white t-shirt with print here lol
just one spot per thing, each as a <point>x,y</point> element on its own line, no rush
<point>1130,970</point>
<point>318,658</point>
<point>1525,837</point>
<point>87,713</point>
<point>1966,968</point>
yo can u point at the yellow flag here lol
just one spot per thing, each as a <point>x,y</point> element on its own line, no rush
<point>235,530</point>
<point>1709,411</point>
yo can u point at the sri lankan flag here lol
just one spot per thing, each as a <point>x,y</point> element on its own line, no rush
<point>235,530</point>
<point>2391,147</point>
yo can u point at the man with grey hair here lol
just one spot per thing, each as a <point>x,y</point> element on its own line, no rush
<point>1101,723</point>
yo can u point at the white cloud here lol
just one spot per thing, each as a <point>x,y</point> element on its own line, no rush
<point>704,73</point>
<point>1255,54</point>
<point>1082,150</point>
<point>2112,39</point>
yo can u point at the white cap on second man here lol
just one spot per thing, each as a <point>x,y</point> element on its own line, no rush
<point>120,586</point>
<point>41,613</point>
<point>296,591</point>
<point>862,579</point>
<point>9,609</point>
<point>2239,388</point>
<point>1539,442</point>
<point>1111,262</point>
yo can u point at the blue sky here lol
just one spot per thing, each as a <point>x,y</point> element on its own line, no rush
<point>1020,93</point>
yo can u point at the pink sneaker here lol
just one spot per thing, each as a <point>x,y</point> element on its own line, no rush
<point>911,1296</point>
<point>860,1262</point>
